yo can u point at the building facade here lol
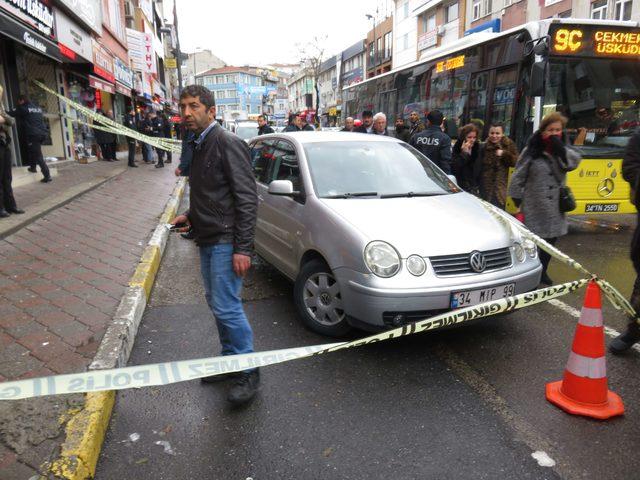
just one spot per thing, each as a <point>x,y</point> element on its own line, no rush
<point>329,93</point>
<point>379,47</point>
<point>198,62</point>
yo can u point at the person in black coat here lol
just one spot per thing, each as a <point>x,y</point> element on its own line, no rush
<point>367,123</point>
<point>104,140</point>
<point>166,133</point>
<point>34,132</point>
<point>402,131</point>
<point>157,130</point>
<point>466,163</point>
<point>145,126</point>
<point>294,125</point>
<point>130,121</point>
<point>631,173</point>
<point>263,127</point>
<point>433,142</point>
<point>380,124</point>
<point>7,200</point>
<point>348,125</point>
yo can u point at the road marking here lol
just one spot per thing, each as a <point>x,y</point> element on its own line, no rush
<point>611,332</point>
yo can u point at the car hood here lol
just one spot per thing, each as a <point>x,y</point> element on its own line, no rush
<point>426,226</point>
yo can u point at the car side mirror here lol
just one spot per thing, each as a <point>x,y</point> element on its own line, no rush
<point>538,78</point>
<point>283,188</point>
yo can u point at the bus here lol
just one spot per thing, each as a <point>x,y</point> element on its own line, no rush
<point>589,70</point>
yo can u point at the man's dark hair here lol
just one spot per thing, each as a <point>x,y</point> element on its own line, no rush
<point>367,113</point>
<point>261,117</point>
<point>435,117</point>
<point>203,93</point>
<point>23,98</point>
<point>497,125</point>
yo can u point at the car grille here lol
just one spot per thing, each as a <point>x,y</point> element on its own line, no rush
<point>450,265</point>
<point>396,319</point>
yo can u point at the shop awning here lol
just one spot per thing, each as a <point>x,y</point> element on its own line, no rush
<point>100,84</point>
<point>26,36</point>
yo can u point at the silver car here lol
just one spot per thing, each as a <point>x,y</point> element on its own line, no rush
<point>374,235</point>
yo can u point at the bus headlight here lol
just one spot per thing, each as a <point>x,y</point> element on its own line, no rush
<point>382,259</point>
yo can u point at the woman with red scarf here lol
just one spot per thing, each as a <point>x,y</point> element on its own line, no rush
<point>535,185</point>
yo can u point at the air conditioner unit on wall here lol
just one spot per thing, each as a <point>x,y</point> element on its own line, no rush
<point>441,30</point>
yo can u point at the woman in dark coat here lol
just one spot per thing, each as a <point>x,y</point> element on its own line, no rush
<point>498,155</point>
<point>465,161</point>
<point>540,172</point>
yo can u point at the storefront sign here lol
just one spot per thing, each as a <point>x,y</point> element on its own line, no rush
<point>72,37</point>
<point>100,84</point>
<point>427,39</point>
<point>123,73</point>
<point>141,51</point>
<point>149,65</point>
<point>24,35</point>
<point>170,63</point>
<point>123,90</point>
<point>102,62</point>
<point>88,12</point>
<point>450,64</point>
<point>36,13</point>
<point>595,41</point>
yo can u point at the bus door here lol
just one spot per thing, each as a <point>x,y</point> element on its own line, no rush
<point>387,103</point>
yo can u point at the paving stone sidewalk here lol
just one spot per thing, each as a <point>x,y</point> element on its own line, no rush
<point>61,279</point>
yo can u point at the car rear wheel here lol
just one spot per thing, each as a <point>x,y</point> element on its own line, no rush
<point>318,300</point>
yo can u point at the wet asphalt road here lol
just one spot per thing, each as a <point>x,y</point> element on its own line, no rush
<point>458,404</point>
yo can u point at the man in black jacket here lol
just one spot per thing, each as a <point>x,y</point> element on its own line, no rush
<point>223,211</point>
<point>433,142</point>
<point>130,121</point>
<point>367,123</point>
<point>631,173</point>
<point>34,132</point>
<point>263,127</point>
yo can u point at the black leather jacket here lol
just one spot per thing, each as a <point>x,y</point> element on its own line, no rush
<point>436,145</point>
<point>223,197</point>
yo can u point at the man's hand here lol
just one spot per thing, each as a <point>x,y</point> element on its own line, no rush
<point>182,219</point>
<point>177,171</point>
<point>241,264</point>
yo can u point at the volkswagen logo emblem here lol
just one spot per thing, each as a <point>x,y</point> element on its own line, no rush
<point>605,187</point>
<point>477,262</point>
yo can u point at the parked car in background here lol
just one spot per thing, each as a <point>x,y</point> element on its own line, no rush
<point>246,129</point>
<point>374,235</point>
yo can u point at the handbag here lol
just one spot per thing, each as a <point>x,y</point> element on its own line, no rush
<point>566,199</point>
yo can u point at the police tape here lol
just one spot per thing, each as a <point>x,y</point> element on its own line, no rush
<point>164,144</point>
<point>179,371</point>
<point>611,293</point>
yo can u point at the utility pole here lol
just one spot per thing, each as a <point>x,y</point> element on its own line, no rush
<point>178,52</point>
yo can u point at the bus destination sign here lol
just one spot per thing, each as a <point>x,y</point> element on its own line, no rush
<point>595,41</point>
<point>450,64</point>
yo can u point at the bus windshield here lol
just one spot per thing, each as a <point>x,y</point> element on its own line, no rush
<point>600,97</point>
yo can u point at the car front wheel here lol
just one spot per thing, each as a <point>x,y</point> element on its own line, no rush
<point>318,300</point>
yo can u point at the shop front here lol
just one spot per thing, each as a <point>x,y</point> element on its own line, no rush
<point>28,51</point>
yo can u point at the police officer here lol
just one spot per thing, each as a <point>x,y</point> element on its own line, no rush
<point>131,122</point>
<point>7,201</point>
<point>433,142</point>
<point>157,130</point>
<point>34,133</point>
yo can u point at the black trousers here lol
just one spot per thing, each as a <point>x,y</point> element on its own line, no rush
<point>132,152</point>
<point>6,191</point>
<point>160,153</point>
<point>545,258</point>
<point>34,156</point>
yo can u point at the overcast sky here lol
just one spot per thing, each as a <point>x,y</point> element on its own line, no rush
<point>260,32</point>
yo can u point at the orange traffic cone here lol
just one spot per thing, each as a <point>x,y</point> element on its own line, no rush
<point>584,390</point>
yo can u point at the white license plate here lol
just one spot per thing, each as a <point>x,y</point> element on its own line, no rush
<point>474,297</point>
<point>601,207</point>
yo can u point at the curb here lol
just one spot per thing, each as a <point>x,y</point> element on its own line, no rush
<point>86,430</point>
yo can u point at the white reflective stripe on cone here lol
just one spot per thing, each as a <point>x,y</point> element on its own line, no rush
<point>586,367</point>
<point>591,317</point>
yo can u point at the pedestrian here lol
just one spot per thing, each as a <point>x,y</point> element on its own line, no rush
<point>498,154</point>
<point>415,124</point>
<point>7,201</point>
<point>402,131</point>
<point>34,132</point>
<point>130,121</point>
<point>146,128</point>
<point>535,184</point>
<point>348,125</point>
<point>294,125</point>
<point>465,159</point>
<point>186,153</point>
<point>157,131</point>
<point>433,142</point>
<point>167,134</point>
<point>304,125</point>
<point>631,173</point>
<point>380,124</point>
<point>367,123</point>
<point>263,127</point>
<point>223,210</point>
<point>112,140</point>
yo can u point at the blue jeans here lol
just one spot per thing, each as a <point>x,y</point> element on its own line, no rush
<point>222,288</point>
<point>147,152</point>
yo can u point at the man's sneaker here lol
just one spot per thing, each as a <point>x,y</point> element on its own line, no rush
<point>46,180</point>
<point>219,378</point>
<point>625,341</point>
<point>244,387</point>
<point>32,169</point>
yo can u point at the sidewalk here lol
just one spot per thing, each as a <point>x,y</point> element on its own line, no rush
<point>61,279</point>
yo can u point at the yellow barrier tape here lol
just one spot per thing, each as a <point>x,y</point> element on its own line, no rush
<point>178,371</point>
<point>120,129</point>
<point>613,295</point>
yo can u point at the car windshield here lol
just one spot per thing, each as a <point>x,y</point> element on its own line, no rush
<point>246,131</point>
<point>361,169</point>
<point>601,99</point>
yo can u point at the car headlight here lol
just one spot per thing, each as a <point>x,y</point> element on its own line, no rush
<point>416,265</point>
<point>530,247</point>
<point>382,259</point>
<point>519,251</point>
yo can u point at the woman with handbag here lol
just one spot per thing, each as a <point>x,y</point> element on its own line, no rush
<point>538,183</point>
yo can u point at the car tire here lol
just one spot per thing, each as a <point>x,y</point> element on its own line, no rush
<point>318,300</point>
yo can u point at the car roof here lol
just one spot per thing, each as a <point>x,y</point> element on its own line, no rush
<point>316,137</point>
